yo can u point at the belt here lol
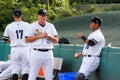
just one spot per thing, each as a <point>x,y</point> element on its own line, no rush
<point>43,50</point>
<point>91,56</point>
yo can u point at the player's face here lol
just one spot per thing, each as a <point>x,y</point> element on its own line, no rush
<point>93,25</point>
<point>42,19</point>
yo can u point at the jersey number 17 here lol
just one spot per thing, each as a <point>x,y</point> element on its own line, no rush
<point>19,34</point>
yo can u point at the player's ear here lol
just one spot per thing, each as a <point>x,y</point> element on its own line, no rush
<point>21,16</point>
<point>97,24</point>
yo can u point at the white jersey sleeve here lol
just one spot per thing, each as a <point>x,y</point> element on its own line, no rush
<point>96,37</point>
<point>6,33</point>
<point>53,30</point>
<point>30,31</point>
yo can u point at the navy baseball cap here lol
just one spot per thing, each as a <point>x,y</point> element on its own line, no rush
<point>42,12</point>
<point>17,12</point>
<point>96,19</point>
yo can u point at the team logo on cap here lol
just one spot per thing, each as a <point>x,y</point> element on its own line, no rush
<point>17,13</point>
<point>44,11</point>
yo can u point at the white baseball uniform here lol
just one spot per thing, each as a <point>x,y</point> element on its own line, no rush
<point>41,58</point>
<point>19,48</point>
<point>91,54</point>
<point>5,69</point>
<point>4,65</point>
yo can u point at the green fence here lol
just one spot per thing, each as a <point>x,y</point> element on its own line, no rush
<point>109,66</point>
<point>4,51</point>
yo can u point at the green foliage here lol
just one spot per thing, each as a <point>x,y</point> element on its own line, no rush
<point>28,7</point>
<point>57,10</point>
<point>60,9</point>
<point>95,1</point>
<point>113,7</point>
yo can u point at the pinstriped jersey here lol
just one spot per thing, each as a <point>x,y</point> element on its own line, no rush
<point>16,33</point>
<point>99,39</point>
<point>42,42</point>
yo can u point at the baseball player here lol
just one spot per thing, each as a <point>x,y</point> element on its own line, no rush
<point>92,48</point>
<point>6,73</point>
<point>15,34</point>
<point>5,69</point>
<point>41,36</point>
<point>4,65</point>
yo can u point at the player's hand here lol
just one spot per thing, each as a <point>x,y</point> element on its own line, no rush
<point>41,35</point>
<point>46,34</point>
<point>77,54</point>
<point>79,35</point>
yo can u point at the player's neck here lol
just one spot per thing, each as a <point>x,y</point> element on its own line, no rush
<point>95,29</point>
<point>17,19</point>
<point>42,23</point>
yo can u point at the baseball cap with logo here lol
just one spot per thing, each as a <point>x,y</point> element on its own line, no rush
<point>17,12</point>
<point>96,19</point>
<point>42,12</point>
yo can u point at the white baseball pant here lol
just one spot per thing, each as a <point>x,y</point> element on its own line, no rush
<point>89,64</point>
<point>6,73</point>
<point>4,65</point>
<point>20,58</point>
<point>44,59</point>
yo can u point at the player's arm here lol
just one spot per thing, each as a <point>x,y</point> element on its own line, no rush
<point>31,38</point>
<point>34,38</point>
<point>5,36</point>
<point>6,39</point>
<point>91,42</point>
<point>54,39</point>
